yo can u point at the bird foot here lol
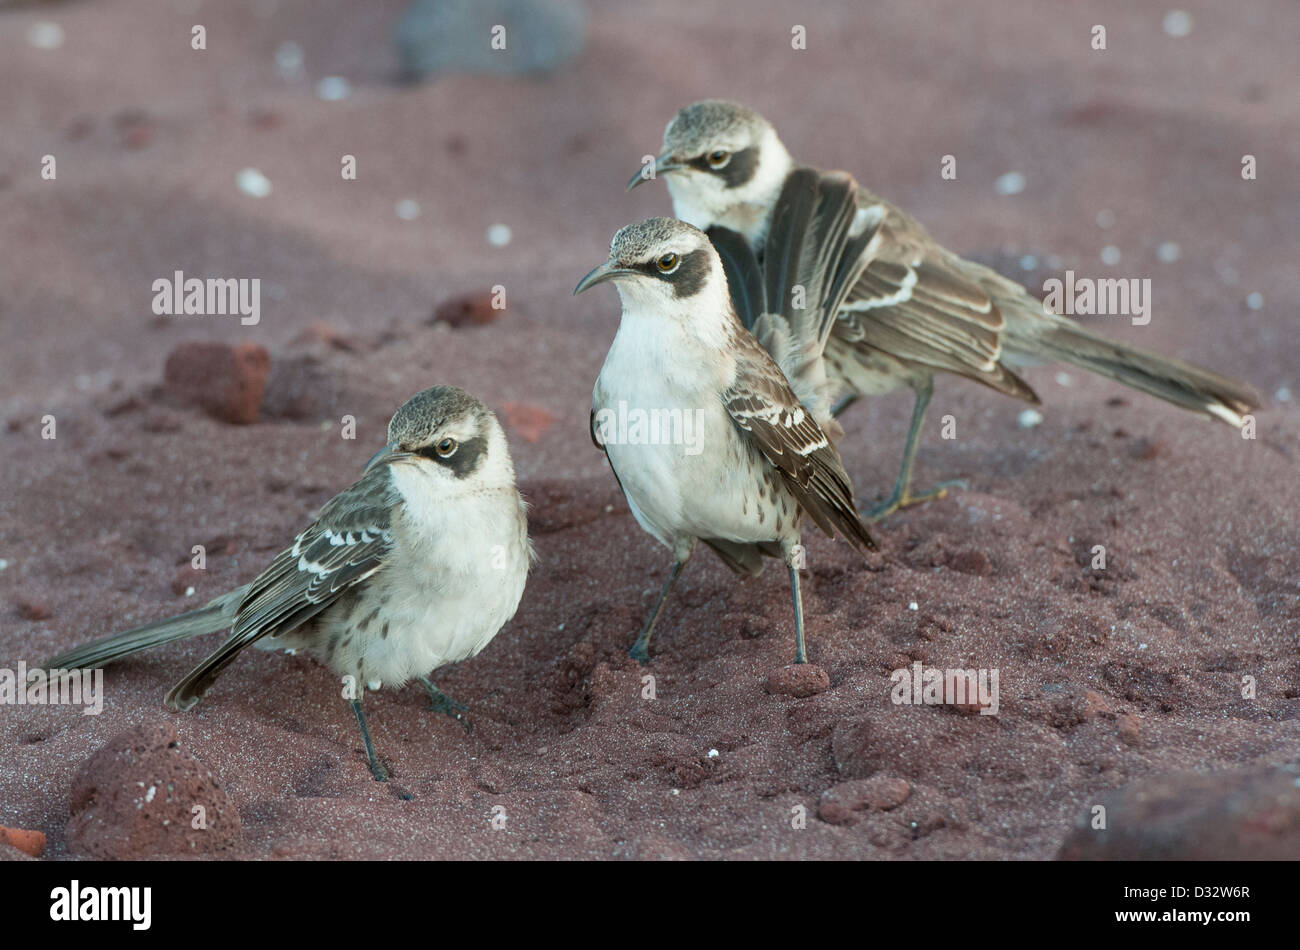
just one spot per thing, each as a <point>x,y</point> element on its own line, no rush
<point>905,500</point>
<point>440,702</point>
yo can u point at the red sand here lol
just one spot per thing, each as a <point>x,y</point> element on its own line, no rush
<point>1105,680</point>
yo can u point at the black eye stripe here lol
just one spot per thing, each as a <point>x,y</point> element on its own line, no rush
<point>737,171</point>
<point>687,277</point>
<point>464,461</point>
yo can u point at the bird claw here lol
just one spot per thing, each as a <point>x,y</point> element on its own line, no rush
<point>907,500</point>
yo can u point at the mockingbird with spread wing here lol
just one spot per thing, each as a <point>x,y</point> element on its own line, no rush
<point>764,459</point>
<point>917,309</point>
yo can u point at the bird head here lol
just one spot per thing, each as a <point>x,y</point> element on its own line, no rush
<point>658,264</point>
<point>718,156</point>
<point>446,435</point>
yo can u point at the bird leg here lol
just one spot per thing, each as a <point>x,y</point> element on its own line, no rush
<point>641,649</point>
<point>441,702</point>
<point>901,496</point>
<point>377,770</point>
<point>794,560</point>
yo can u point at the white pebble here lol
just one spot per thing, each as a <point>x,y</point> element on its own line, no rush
<point>4,564</point>
<point>913,606</point>
<point>407,209</point>
<point>1012,183</point>
<point>1028,262</point>
<point>288,61</point>
<point>1283,394</point>
<point>499,235</point>
<point>1063,379</point>
<point>45,35</point>
<point>1254,300</point>
<point>1110,255</point>
<point>1029,418</point>
<point>333,88</point>
<point>189,592</point>
<point>713,753</point>
<point>253,182</point>
<point>1169,252</point>
<point>1177,23</point>
<point>1105,218</point>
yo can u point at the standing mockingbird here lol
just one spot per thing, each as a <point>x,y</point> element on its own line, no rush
<point>761,459</point>
<point>417,565</point>
<point>917,308</point>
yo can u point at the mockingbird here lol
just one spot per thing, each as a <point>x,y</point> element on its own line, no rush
<point>763,460</point>
<point>417,565</point>
<point>917,308</point>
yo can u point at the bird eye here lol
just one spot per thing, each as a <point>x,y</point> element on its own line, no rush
<point>718,158</point>
<point>446,448</point>
<point>667,263</point>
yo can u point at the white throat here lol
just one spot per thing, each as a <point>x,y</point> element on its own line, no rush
<point>701,199</point>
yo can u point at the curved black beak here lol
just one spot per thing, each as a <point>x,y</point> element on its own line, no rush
<point>598,275</point>
<point>389,453</point>
<point>648,172</point>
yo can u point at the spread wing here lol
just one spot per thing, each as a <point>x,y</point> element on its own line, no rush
<point>763,406</point>
<point>347,543</point>
<point>915,301</point>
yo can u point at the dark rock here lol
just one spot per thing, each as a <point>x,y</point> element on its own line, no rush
<point>1193,816</point>
<point>225,381</point>
<point>142,795</point>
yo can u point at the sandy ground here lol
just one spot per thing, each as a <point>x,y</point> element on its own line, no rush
<point>1107,679</point>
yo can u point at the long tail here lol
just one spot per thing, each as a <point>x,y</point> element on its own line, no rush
<point>217,615</point>
<point>1191,387</point>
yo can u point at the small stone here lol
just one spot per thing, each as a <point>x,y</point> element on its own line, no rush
<point>528,420</point>
<point>253,183</point>
<point>499,235</point>
<point>28,842</point>
<point>468,309</point>
<point>971,562</point>
<point>845,803</point>
<point>333,88</point>
<point>32,609</point>
<point>1110,255</point>
<point>800,680</point>
<point>1029,418</point>
<point>1012,183</point>
<point>1128,729</point>
<point>1177,23</point>
<point>225,381</point>
<point>289,60</point>
<point>1169,252</point>
<point>45,35</point>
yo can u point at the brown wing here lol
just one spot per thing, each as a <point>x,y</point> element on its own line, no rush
<point>763,406</point>
<point>914,302</point>
<point>347,543</point>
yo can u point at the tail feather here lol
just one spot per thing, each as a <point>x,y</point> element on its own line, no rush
<point>1183,384</point>
<point>215,616</point>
